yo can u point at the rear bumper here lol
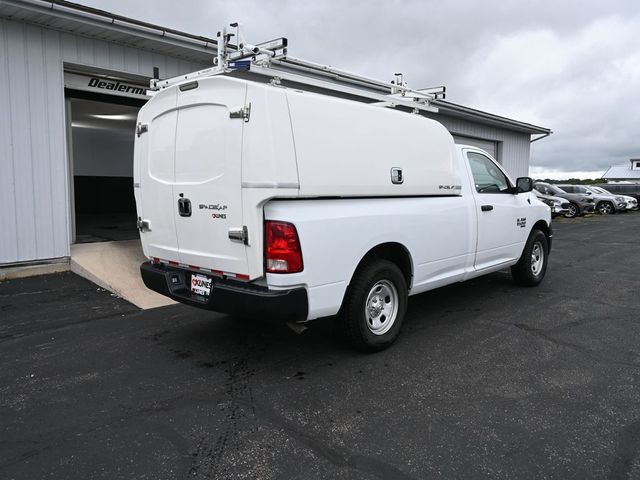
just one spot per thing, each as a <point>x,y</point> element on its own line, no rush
<point>227,296</point>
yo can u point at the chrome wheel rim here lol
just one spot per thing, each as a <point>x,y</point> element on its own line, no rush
<point>537,258</point>
<point>381,307</point>
<point>605,208</point>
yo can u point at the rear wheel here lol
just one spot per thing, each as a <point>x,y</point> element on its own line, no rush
<point>573,212</point>
<point>374,306</point>
<point>606,208</point>
<point>532,266</point>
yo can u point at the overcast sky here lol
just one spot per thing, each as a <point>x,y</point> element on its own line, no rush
<point>572,66</point>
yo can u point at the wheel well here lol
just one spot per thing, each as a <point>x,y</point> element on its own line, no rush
<point>393,252</point>
<point>542,226</point>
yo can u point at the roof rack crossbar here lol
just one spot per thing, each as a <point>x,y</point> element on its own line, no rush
<point>270,59</point>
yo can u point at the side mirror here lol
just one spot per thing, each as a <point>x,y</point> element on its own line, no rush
<point>524,185</point>
<point>589,193</point>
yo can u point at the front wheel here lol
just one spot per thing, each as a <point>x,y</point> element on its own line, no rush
<point>374,306</point>
<point>606,208</point>
<point>532,266</point>
<point>573,211</point>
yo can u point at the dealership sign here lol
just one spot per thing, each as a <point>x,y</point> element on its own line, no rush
<point>108,86</point>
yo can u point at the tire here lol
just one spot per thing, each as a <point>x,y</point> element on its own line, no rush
<point>573,212</point>
<point>606,208</point>
<point>374,306</point>
<point>532,266</point>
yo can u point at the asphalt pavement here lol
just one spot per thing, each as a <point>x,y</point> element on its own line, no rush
<point>488,380</point>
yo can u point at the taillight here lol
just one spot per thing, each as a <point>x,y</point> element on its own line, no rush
<point>282,250</point>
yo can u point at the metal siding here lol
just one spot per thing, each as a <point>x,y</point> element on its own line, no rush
<point>145,58</point>
<point>513,147</point>
<point>38,119</point>
<point>488,146</point>
<point>56,130</point>
<point>69,47</point>
<point>101,52</point>
<point>131,63</point>
<point>34,183</point>
<point>86,55</point>
<point>24,209</point>
<point>116,56</point>
<point>8,227</point>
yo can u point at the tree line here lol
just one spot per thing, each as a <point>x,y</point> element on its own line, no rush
<point>574,181</point>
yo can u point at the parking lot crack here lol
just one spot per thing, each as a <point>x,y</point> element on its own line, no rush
<point>578,348</point>
<point>338,457</point>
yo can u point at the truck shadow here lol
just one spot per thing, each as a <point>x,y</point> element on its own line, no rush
<point>210,340</point>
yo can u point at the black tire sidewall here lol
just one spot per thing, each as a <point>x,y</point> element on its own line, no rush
<point>354,309</point>
<point>522,270</point>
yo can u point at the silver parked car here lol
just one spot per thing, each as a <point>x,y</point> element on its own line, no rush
<point>605,204</point>
<point>632,202</point>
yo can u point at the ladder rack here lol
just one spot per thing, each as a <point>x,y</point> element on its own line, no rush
<point>271,60</point>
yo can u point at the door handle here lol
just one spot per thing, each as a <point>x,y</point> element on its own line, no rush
<point>184,206</point>
<point>486,208</point>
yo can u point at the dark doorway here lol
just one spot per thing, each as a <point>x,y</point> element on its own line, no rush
<point>102,136</point>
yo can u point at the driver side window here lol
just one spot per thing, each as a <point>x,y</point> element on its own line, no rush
<point>488,178</point>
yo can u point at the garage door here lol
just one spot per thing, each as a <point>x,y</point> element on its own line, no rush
<point>488,146</point>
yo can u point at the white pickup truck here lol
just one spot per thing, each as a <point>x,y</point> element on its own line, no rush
<point>256,199</point>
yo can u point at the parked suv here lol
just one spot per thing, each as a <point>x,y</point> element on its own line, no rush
<point>632,202</point>
<point>579,203</point>
<point>605,204</point>
<point>559,206</point>
<point>624,189</point>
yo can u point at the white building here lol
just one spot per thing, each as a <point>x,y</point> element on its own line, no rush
<point>72,79</point>
<point>626,172</point>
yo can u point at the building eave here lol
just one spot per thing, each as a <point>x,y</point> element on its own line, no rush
<point>94,23</point>
<point>455,110</point>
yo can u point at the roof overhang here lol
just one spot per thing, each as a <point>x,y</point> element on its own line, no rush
<point>94,23</point>
<point>455,110</point>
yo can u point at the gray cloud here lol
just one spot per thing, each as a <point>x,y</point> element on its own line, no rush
<point>572,66</point>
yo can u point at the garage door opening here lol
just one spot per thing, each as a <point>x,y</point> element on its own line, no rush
<point>102,137</point>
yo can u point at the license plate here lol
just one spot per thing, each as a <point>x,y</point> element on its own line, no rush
<point>200,285</point>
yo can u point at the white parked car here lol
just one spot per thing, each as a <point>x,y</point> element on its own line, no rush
<point>558,205</point>
<point>632,203</point>
<point>265,200</point>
